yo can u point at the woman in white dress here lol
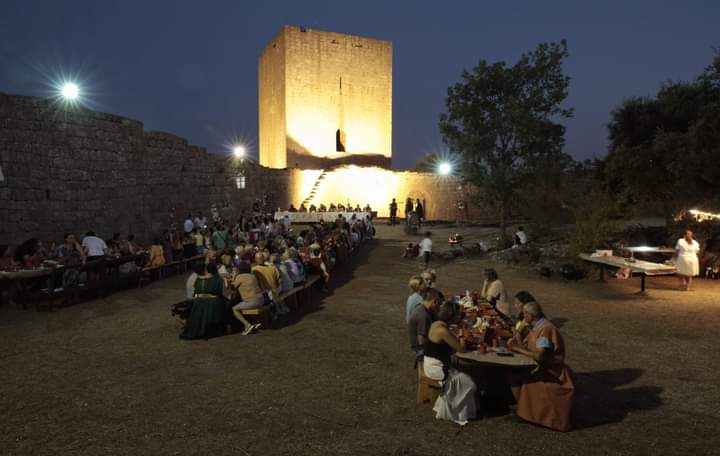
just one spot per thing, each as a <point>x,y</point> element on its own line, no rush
<point>687,262</point>
<point>457,400</point>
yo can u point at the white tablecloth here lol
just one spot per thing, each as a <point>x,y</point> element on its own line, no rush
<point>315,217</point>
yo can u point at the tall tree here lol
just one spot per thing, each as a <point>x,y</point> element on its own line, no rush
<point>501,120</point>
<point>663,150</point>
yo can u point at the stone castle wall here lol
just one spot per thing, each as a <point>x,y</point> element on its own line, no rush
<point>73,170</point>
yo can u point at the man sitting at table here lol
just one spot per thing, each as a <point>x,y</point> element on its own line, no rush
<point>545,395</point>
<point>420,320</point>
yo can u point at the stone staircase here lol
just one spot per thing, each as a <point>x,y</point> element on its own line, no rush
<point>316,186</point>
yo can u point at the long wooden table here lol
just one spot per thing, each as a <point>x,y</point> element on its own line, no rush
<point>644,268</point>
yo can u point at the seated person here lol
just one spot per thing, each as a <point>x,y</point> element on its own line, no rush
<point>72,256</point>
<point>367,208</point>
<point>7,263</point>
<point>312,208</point>
<point>292,208</point>
<point>302,207</point>
<point>156,256</point>
<point>545,395</point>
<point>341,207</point>
<point>357,208</point>
<point>429,277</point>
<point>417,287</point>
<point>494,291</point>
<point>319,265</point>
<point>286,283</point>
<point>332,207</point>
<point>420,320</point>
<point>521,327</point>
<point>322,208</point>
<point>457,400</point>
<point>411,251</point>
<point>28,254</point>
<point>267,276</point>
<point>209,315</point>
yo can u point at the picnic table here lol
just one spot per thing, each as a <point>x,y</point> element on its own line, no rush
<point>644,268</point>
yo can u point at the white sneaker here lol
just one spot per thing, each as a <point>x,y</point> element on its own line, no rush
<point>248,330</point>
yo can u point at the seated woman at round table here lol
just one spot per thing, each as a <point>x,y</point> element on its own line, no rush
<point>209,315</point>
<point>545,394</point>
<point>457,400</point>
<point>494,291</point>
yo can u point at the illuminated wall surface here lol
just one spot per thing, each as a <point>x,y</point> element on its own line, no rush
<point>320,89</point>
<point>353,185</point>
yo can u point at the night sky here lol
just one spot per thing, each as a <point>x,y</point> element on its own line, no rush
<point>190,67</point>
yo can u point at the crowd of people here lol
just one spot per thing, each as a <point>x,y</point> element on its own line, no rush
<point>543,395</point>
<point>250,264</point>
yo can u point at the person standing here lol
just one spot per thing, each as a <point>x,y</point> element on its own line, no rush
<point>520,237</point>
<point>420,211</point>
<point>393,212</point>
<point>188,224</point>
<point>408,208</point>
<point>426,248</point>
<point>94,246</point>
<point>687,263</point>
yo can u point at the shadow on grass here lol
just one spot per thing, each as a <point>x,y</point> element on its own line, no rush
<point>600,400</point>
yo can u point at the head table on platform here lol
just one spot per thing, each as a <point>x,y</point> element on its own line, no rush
<point>316,217</point>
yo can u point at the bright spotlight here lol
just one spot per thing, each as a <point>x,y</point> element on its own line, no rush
<point>239,151</point>
<point>444,168</point>
<point>70,91</point>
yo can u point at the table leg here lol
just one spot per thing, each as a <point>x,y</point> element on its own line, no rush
<point>642,291</point>
<point>602,274</point>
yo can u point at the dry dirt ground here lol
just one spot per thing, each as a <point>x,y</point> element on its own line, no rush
<point>111,376</point>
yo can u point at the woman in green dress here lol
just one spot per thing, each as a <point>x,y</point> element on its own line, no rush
<point>209,315</point>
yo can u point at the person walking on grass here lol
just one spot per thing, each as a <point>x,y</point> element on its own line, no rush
<point>426,248</point>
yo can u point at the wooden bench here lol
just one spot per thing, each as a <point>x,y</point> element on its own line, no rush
<point>261,314</point>
<point>291,297</point>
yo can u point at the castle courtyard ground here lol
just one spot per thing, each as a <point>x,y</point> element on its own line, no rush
<point>110,376</point>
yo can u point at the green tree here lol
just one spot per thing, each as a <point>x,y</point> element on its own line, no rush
<point>663,150</point>
<point>501,121</point>
<point>427,164</point>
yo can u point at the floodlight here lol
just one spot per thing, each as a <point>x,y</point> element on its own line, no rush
<point>70,91</point>
<point>444,168</point>
<point>239,151</point>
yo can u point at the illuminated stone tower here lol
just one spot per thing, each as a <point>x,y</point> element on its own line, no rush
<point>325,99</point>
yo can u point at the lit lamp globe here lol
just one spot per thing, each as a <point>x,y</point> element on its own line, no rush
<point>239,151</point>
<point>70,91</point>
<point>444,168</point>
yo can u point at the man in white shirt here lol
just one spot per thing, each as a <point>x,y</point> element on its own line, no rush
<point>188,225</point>
<point>426,248</point>
<point>287,223</point>
<point>520,237</point>
<point>94,246</point>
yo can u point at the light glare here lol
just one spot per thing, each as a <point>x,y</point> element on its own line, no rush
<point>70,91</point>
<point>444,168</point>
<point>239,151</point>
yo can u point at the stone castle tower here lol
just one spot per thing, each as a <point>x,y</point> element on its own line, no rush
<point>324,99</point>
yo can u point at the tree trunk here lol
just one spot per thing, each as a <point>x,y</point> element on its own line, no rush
<point>503,234</point>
